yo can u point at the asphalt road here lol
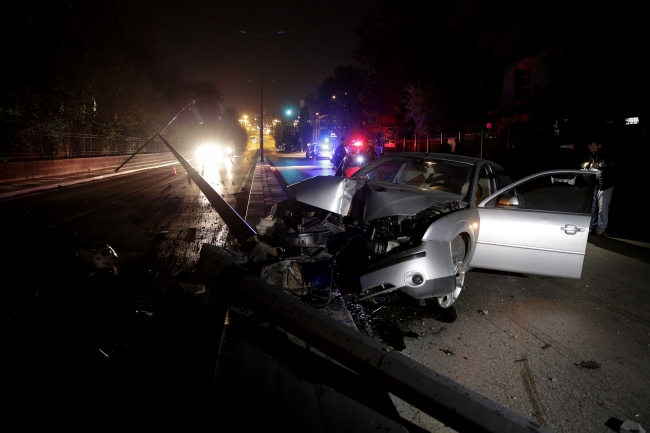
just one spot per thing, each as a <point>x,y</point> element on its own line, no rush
<point>106,342</point>
<point>569,354</point>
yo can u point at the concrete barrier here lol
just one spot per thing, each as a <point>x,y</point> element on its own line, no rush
<point>11,171</point>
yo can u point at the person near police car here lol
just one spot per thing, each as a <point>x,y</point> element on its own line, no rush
<point>339,154</point>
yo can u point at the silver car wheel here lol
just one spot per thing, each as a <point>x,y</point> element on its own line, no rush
<point>458,253</point>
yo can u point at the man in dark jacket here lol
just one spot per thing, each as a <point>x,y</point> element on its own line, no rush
<point>600,161</point>
<point>339,154</point>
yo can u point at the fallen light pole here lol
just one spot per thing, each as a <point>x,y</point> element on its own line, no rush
<point>193,110</point>
<point>244,233</point>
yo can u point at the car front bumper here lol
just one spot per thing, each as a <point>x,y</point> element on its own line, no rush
<point>421,272</point>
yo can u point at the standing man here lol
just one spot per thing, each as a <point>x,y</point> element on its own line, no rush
<point>445,147</point>
<point>339,154</point>
<point>600,161</point>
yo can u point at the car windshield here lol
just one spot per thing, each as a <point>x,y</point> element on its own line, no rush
<point>426,173</point>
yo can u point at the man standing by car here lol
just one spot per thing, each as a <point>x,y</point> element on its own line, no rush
<point>600,161</point>
<point>339,154</point>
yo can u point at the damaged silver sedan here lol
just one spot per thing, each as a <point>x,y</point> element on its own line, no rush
<point>418,222</point>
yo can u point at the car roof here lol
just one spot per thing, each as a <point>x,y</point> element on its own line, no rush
<point>445,156</point>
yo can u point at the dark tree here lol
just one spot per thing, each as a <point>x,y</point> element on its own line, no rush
<point>343,97</point>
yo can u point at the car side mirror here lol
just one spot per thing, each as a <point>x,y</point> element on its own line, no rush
<point>508,200</point>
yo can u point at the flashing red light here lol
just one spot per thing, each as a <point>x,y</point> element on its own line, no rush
<point>489,125</point>
<point>357,143</point>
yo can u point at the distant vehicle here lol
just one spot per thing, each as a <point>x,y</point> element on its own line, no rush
<point>319,151</point>
<point>212,152</point>
<point>358,155</point>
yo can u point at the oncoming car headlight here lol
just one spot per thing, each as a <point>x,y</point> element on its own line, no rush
<point>207,153</point>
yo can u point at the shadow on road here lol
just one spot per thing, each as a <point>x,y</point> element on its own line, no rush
<point>620,246</point>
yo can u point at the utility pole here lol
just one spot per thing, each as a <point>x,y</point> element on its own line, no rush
<point>261,85</point>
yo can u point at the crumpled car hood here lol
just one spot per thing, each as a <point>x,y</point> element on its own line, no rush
<point>335,194</point>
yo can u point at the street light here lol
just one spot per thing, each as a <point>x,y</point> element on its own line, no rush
<point>316,134</point>
<point>262,85</point>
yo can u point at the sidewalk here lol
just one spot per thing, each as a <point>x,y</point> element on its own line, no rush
<point>265,192</point>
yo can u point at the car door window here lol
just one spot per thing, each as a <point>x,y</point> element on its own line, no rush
<point>544,193</point>
<point>484,186</point>
<point>500,177</point>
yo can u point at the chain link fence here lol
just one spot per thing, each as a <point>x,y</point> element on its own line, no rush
<point>25,147</point>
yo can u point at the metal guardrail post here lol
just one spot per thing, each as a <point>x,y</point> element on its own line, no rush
<point>457,406</point>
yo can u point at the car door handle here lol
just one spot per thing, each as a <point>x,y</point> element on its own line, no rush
<point>570,229</point>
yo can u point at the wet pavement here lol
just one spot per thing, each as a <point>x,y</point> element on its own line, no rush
<point>131,341</point>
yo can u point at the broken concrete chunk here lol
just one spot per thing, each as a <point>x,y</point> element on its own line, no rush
<point>211,259</point>
<point>97,255</point>
<point>261,252</point>
<point>592,365</point>
<point>266,227</point>
<point>285,274</point>
<point>630,426</point>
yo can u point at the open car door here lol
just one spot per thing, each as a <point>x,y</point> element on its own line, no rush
<point>537,225</point>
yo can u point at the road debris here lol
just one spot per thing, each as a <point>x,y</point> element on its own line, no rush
<point>447,351</point>
<point>630,426</point>
<point>546,346</point>
<point>211,259</point>
<point>286,274</point>
<point>262,252</point>
<point>145,312</point>
<point>98,255</point>
<point>266,227</point>
<point>592,365</point>
<point>483,312</point>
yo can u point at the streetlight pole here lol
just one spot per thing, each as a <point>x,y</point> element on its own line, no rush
<point>262,85</point>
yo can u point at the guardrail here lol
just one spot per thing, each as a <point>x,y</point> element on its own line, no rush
<point>457,406</point>
<point>19,147</point>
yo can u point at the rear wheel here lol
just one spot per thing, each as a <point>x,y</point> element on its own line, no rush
<point>459,248</point>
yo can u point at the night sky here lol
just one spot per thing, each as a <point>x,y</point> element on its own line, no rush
<point>205,38</point>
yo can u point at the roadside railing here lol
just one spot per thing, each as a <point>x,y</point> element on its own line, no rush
<point>21,147</point>
<point>459,407</point>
